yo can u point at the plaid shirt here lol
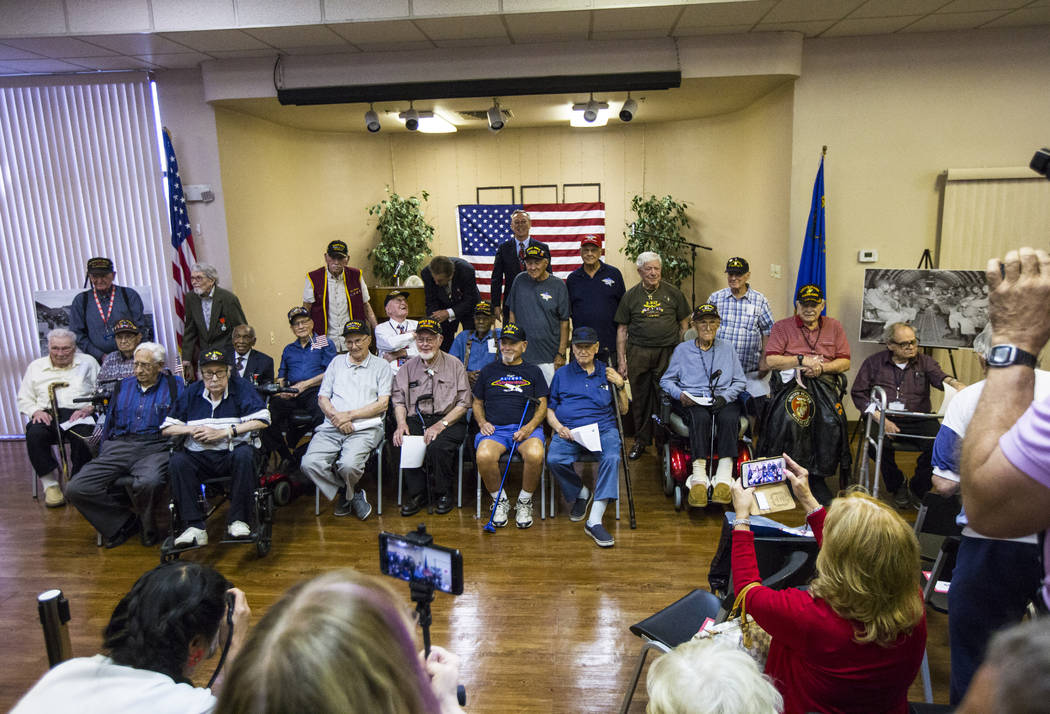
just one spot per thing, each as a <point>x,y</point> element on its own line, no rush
<point>744,321</point>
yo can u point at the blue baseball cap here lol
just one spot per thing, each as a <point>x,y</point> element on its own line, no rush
<point>584,336</point>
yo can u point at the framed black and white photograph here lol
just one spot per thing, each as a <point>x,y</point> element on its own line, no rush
<point>53,306</point>
<point>946,308</point>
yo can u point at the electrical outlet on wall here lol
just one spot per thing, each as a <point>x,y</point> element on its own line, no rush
<point>273,338</point>
<point>775,271</point>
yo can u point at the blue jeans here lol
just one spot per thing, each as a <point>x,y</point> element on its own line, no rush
<point>562,454</point>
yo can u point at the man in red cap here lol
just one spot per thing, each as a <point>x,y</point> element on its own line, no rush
<point>595,290</point>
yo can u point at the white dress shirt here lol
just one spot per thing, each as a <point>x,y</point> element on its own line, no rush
<point>82,376</point>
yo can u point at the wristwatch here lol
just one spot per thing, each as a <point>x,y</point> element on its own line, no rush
<point>1009,355</point>
<point>799,360</point>
<point>444,423</point>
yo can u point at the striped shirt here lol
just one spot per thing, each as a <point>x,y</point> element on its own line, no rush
<point>744,321</point>
<point>239,403</point>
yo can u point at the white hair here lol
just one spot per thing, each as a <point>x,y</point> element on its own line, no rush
<point>983,341</point>
<point>61,333</point>
<point>648,257</point>
<point>156,351</point>
<point>709,677</point>
<point>208,269</point>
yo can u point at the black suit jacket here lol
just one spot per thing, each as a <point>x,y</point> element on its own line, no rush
<point>504,269</point>
<point>259,364</point>
<point>198,338</point>
<point>464,296</point>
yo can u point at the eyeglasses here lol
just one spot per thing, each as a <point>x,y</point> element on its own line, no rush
<point>908,343</point>
<point>213,375</point>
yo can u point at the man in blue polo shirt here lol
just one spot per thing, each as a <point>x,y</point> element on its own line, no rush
<point>581,395</point>
<point>303,363</point>
<point>218,415</point>
<point>502,395</point>
<point>476,348</point>
<point>595,290</point>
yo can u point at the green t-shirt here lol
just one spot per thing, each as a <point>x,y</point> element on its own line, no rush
<point>652,319</point>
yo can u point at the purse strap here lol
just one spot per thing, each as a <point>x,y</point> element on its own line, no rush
<point>741,608</point>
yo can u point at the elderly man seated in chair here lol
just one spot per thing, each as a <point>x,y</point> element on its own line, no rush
<point>355,393</point>
<point>907,377</point>
<point>133,446</point>
<point>581,395</point>
<point>219,415</point>
<point>704,380</point>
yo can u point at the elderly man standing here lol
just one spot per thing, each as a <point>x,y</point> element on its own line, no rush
<point>704,379</point>
<point>120,364</point>
<point>595,290</point>
<point>354,395</point>
<point>73,374</point>
<point>94,312</point>
<point>431,396</point>
<point>133,446</point>
<point>396,338</point>
<point>651,319</point>
<point>334,294</point>
<point>211,314</point>
<point>451,290</point>
<point>219,416</point>
<point>510,260</point>
<point>746,322</point>
<point>539,304</point>
<point>907,376</point>
<point>248,362</point>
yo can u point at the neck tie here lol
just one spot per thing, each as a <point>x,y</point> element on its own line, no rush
<point>521,255</point>
<point>401,328</point>
<point>240,364</point>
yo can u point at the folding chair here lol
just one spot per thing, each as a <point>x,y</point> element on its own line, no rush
<point>585,458</point>
<point>379,482</point>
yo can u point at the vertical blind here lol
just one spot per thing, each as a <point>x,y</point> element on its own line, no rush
<point>80,176</point>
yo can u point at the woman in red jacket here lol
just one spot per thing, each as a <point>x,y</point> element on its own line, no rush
<point>854,641</point>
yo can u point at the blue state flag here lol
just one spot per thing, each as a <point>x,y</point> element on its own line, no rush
<point>811,268</point>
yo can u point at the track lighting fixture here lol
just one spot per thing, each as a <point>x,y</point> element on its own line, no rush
<point>372,120</point>
<point>629,109</point>
<point>411,118</point>
<point>495,115</point>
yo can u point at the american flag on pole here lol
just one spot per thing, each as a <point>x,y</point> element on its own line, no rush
<point>560,225</point>
<point>181,237</point>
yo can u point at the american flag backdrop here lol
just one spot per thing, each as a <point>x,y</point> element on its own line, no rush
<point>181,238</point>
<point>560,225</point>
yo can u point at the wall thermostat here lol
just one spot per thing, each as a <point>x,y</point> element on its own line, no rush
<point>867,256</point>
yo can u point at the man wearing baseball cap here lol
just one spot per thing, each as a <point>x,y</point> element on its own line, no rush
<point>354,396</point>
<point>396,338</point>
<point>95,312</point>
<point>539,304</point>
<point>120,363</point>
<point>431,396</point>
<point>810,349</point>
<point>595,290</point>
<point>335,294</point>
<point>476,348</point>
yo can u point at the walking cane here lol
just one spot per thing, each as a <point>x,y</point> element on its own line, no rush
<point>711,454</point>
<point>624,460</point>
<point>63,460</point>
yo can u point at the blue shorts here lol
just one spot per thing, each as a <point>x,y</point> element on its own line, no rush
<point>505,435</point>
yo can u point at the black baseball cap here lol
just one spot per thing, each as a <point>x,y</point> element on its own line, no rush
<point>297,311</point>
<point>536,251</point>
<point>337,249</point>
<point>394,294</point>
<point>100,266</point>
<point>483,308</point>
<point>584,336</point>
<point>809,293</point>
<point>429,325</point>
<point>126,326</point>
<point>706,310</point>
<point>512,332</point>
<point>737,266</point>
<point>356,327</point>
<point>213,356</point>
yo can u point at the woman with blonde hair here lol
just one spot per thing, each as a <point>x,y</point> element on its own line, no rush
<point>854,642</point>
<point>342,642</point>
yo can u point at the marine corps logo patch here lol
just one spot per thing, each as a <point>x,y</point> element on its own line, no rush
<point>799,407</point>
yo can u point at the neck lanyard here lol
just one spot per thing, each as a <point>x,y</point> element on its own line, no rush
<point>112,299</point>
<point>703,364</point>
<point>805,335</point>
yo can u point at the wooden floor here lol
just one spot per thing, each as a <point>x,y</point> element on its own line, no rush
<point>541,625</point>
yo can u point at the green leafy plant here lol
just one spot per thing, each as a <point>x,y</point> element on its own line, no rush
<point>403,235</point>
<point>658,228</point>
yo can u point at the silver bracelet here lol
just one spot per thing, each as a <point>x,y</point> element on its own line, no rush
<point>742,522</point>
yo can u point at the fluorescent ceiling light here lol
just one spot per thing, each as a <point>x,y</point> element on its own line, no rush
<point>431,123</point>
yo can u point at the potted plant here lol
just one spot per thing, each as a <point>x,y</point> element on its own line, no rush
<point>404,235</point>
<point>658,229</point>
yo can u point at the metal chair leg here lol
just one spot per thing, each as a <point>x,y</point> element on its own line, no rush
<point>927,687</point>
<point>629,695</point>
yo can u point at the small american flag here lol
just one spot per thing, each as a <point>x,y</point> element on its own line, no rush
<point>181,238</point>
<point>560,225</point>
<point>319,342</point>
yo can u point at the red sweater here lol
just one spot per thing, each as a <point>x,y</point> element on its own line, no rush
<point>813,659</point>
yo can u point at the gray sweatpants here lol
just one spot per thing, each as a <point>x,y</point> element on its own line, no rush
<point>349,453</point>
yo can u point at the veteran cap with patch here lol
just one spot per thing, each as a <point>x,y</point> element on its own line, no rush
<point>213,356</point>
<point>483,308</point>
<point>394,294</point>
<point>809,293</point>
<point>591,240</point>
<point>356,327</point>
<point>297,311</point>
<point>429,325</point>
<point>100,266</point>
<point>584,336</point>
<point>706,310</point>
<point>535,252</point>
<point>737,266</point>
<point>337,249</point>
<point>512,332</point>
<point>126,326</point>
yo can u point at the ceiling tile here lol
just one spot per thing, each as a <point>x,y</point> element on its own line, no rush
<point>474,42</point>
<point>1039,15</point>
<point>337,10</point>
<point>277,12</point>
<point>300,36</point>
<point>636,18</point>
<point>808,11</point>
<point>193,15</point>
<point>636,34</point>
<point>982,5</point>
<point>320,50</point>
<point>895,8</point>
<point>116,62</point>
<point>809,29</point>
<point>711,30</point>
<point>109,16</point>
<point>136,44</point>
<point>239,54</point>
<point>58,47</point>
<point>43,65</point>
<point>514,6</point>
<point>379,33</point>
<point>724,13</point>
<point>208,40</point>
<point>549,26</point>
<point>180,60</point>
<point>424,8</point>
<point>12,53</point>
<point>395,46</point>
<point>868,26</point>
<point>606,4</point>
<point>953,21</point>
<point>32,18</point>
<point>462,28</point>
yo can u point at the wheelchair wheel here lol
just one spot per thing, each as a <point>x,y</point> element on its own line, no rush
<point>262,545</point>
<point>668,481</point>
<point>678,498</point>
<point>264,504</point>
<point>282,493</point>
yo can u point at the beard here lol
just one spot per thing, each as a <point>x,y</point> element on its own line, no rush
<point>201,291</point>
<point>428,355</point>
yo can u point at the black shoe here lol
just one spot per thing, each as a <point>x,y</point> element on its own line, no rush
<point>149,538</point>
<point>130,528</point>
<point>579,509</point>
<point>413,505</point>
<point>444,504</point>
<point>343,506</point>
<point>636,451</point>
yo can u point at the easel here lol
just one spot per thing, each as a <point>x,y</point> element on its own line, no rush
<point>926,263</point>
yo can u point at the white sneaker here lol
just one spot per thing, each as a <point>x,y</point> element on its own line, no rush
<point>502,512</point>
<point>191,537</point>
<point>53,497</point>
<point>239,529</point>
<point>523,513</point>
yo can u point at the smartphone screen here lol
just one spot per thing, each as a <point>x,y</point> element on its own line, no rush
<point>762,471</point>
<point>443,567</point>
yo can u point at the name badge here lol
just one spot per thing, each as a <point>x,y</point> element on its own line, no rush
<point>897,406</point>
<point>492,345</point>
